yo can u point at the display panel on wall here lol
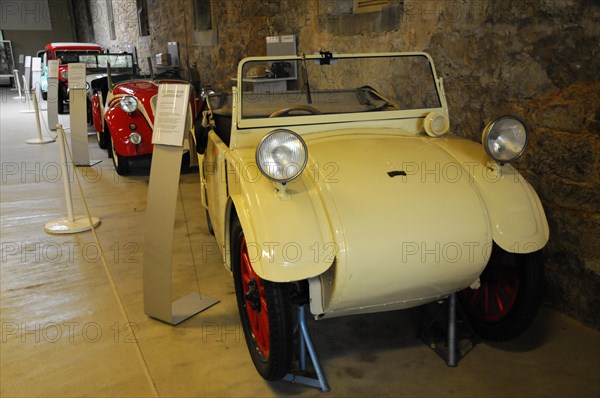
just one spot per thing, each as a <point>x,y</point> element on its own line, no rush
<point>25,15</point>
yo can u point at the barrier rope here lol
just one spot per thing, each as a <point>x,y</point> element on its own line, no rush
<point>111,280</point>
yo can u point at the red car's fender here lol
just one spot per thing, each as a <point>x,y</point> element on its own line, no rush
<point>120,125</point>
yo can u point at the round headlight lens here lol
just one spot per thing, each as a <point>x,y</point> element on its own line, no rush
<point>281,155</point>
<point>135,138</point>
<point>128,104</point>
<point>505,139</point>
<point>64,74</point>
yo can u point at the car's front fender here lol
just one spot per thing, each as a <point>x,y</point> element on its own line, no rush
<point>287,234</point>
<point>517,217</point>
<point>119,125</point>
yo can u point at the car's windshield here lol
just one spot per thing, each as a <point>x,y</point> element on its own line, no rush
<point>101,61</point>
<point>69,56</point>
<point>288,87</point>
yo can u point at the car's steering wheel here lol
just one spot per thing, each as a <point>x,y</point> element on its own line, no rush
<point>286,111</point>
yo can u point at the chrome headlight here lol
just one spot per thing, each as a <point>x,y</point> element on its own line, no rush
<point>505,139</point>
<point>135,138</point>
<point>281,155</point>
<point>128,104</point>
<point>64,74</point>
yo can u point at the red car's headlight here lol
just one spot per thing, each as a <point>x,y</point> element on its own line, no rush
<point>128,104</point>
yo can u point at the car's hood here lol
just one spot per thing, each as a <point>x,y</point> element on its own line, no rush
<point>402,211</point>
<point>143,90</point>
<point>139,89</point>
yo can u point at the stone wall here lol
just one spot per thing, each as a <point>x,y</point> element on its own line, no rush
<point>538,59</point>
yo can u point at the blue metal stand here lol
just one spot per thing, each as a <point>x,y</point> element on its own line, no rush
<point>306,345</point>
<point>448,345</point>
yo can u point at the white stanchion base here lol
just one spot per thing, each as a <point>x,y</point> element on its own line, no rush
<point>66,226</point>
<point>92,163</point>
<point>28,111</point>
<point>19,98</point>
<point>44,140</point>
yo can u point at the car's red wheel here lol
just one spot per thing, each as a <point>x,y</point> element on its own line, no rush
<point>509,297</point>
<point>265,313</point>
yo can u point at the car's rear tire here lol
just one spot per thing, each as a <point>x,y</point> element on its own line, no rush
<point>121,163</point>
<point>509,297</point>
<point>265,312</point>
<point>45,95</point>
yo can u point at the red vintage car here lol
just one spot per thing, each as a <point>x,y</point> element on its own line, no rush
<point>65,53</point>
<point>124,122</point>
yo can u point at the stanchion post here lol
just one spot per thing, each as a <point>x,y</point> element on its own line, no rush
<point>65,172</point>
<point>17,84</point>
<point>27,97</point>
<point>70,224</point>
<point>39,139</point>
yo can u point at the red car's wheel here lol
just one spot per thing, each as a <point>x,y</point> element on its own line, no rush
<point>509,297</point>
<point>265,313</point>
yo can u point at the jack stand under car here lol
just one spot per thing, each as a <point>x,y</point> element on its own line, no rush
<point>306,345</point>
<point>449,337</point>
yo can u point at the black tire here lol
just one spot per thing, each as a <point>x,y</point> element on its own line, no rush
<point>121,163</point>
<point>266,302</point>
<point>209,224</point>
<point>61,100</point>
<point>45,95</point>
<point>101,138</point>
<point>185,163</point>
<point>509,297</point>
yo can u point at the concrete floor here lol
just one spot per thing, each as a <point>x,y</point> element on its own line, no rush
<point>64,335</point>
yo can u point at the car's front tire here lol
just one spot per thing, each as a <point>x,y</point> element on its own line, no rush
<point>265,312</point>
<point>45,95</point>
<point>62,93</point>
<point>509,297</point>
<point>121,163</point>
<point>102,140</point>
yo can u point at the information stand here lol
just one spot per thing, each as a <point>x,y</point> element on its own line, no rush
<point>78,116</point>
<point>27,71</point>
<point>52,102</point>
<point>169,128</point>
<point>36,75</point>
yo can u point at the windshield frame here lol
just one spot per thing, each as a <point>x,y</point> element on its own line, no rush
<point>246,122</point>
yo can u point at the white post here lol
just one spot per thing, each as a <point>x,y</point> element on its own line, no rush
<point>17,84</point>
<point>65,172</point>
<point>70,224</point>
<point>27,97</point>
<point>39,139</point>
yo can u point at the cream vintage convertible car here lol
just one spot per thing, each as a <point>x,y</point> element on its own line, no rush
<point>333,181</point>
